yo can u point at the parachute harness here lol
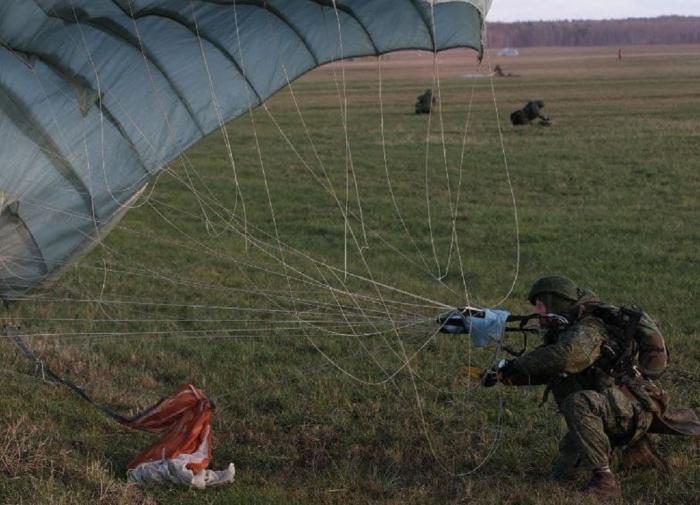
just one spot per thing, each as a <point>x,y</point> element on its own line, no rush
<point>486,324</point>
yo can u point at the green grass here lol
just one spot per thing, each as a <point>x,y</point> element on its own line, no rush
<point>608,195</point>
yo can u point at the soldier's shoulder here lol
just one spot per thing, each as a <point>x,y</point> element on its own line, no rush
<point>590,324</point>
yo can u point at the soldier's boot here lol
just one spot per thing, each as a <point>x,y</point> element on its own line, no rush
<point>603,485</point>
<point>642,454</point>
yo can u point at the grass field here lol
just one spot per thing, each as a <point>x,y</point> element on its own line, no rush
<point>246,279</point>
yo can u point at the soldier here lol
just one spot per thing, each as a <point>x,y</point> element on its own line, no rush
<point>425,102</point>
<point>599,363</point>
<point>531,111</point>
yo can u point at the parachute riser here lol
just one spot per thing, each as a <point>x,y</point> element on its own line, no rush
<point>13,333</point>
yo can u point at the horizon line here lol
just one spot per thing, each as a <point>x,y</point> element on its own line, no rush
<point>554,20</point>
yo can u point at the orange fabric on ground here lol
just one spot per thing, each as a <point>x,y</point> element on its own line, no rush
<point>184,419</point>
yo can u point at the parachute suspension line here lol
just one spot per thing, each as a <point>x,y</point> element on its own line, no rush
<point>401,307</point>
<point>437,83</point>
<point>373,322</point>
<point>307,134</point>
<point>386,167</point>
<point>222,124</point>
<point>242,272</point>
<point>328,186</point>
<point>376,284</point>
<point>373,282</point>
<point>379,316</point>
<point>320,288</point>
<point>93,210</point>
<point>186,164</point>
<point>438,275</point>
<point>357,336</point>
<point>350,168</point>
<point>315,284</point>
<point>170,129</point>
<point>191,183</point>
<point>467,124</point>
<point>184,234</point>
<point>359,340</point>
<point>258,149</point>
<point>296,312</point>
<point>344,109</point>
<point>510,186</point>
<point>223,332</point>
<point>454,244</point>
<point>256,241</point>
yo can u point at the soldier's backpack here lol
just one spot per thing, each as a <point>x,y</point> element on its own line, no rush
<point>518,118</point>
<point>532,109</point>
<point>635,344</point>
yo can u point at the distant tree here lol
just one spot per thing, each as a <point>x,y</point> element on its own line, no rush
<point>619,32</point>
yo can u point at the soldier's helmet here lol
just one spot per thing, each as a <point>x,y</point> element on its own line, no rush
<point>554,284</point>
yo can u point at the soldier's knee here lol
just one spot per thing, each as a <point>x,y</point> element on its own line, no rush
<point>581,403</point>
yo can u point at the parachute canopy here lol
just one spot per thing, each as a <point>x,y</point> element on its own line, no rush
<point>97,96</point>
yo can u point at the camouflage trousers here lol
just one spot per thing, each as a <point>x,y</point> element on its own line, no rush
<point>597,421</point>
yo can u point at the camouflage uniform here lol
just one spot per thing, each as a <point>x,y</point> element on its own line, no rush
<point>599,362</point>
<point>425,102</point>
<point>594,415</point>
<point>601,409</point>
<point>530,112</point>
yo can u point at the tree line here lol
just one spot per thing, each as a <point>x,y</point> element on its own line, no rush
<point>613,32</point>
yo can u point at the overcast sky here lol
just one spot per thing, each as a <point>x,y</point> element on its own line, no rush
<point>521,10</point>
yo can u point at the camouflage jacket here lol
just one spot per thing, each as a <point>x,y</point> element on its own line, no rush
<point>569,361</point>
<point>564,360</point>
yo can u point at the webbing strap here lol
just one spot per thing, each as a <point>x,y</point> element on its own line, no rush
<point>13,333</point>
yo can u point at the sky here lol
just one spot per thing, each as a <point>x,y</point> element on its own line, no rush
<point>529,10</point>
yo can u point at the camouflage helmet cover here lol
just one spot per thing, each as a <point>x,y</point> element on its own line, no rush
<point>556,284</point>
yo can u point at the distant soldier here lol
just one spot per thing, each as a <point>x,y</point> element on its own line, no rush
<point>530,112</point>
<point>600,362</point>
<point>425,102</point>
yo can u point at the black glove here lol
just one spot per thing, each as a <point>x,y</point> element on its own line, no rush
<point>490,378</point>
<point>497,374</point>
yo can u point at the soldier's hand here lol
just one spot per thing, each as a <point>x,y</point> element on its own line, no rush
<point>497,374</point>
